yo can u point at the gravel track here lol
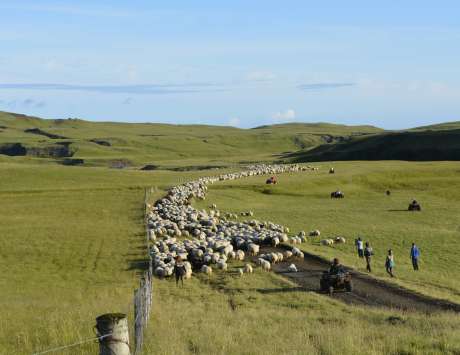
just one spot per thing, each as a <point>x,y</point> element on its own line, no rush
<point>367,290</point>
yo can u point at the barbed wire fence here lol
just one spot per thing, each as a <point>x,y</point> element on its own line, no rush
<point>143,295</point>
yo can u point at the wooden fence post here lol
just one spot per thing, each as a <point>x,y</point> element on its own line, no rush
<point>112,329</point>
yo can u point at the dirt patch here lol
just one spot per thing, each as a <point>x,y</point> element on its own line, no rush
<point>366,289</point>
<point>196,168</point>
<point>72,162</point>
<point>101,142</point>
<point>150,167</point>
<point>44,133</point>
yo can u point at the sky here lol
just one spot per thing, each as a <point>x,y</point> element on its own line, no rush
<point>245,63</point>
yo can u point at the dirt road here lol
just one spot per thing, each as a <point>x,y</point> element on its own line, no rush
<point>366,290</point>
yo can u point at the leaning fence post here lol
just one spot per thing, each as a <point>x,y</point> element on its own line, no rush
<point>113,334</point>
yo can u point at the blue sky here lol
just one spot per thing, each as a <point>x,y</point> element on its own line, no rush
<point>240,62</point>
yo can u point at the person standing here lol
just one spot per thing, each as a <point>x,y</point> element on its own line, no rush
<point>390,263</point>
<point>360,247</point>
<point>179,271</point>
<point>414,255</point>
<point>368,252</point>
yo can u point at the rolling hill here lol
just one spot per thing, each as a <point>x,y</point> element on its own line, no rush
<point>409,145</point>
<point>194,147</point>
<point>79,142</point>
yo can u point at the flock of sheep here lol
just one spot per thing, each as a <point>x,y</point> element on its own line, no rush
<point>206,239</point>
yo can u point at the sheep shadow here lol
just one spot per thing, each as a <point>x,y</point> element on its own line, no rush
<point>267,291</point>
<point>400,210</point>
<point>140,265</point>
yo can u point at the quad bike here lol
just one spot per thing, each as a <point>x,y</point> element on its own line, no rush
<point>341,281</point>
<point>414,207</point>
<point>337,194</point>
<point>271,180</point>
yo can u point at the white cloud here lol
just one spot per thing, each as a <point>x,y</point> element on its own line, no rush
<point>234,122</point>
<point>283,116</point>
<point>260,76</point>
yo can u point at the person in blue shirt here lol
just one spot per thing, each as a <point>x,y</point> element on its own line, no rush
<point>414,255</point>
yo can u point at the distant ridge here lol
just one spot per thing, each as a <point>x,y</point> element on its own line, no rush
<point>427,145</point>
<point>78,142</point>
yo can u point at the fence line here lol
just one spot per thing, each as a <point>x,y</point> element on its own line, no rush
<point>143,295</point>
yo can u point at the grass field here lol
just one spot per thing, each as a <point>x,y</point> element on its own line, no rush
<point>69,238</point>
<point>301,201</point>
<point>70,235</point>
<point>265,314</point>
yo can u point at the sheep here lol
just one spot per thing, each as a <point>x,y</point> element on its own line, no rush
<point>266,266</point>
<point>240,271</point>
<point>239,255</point>
<point>222,265</point>
<point>287,254</point>
<point>209,238</point>
<point>292,268</point>
<point>248,268</point>
<point>275,242</point>
<point>253,249</point>
<point>297,253</point>
<point>327,242</point>
<point>339,240</point>
<point>205,269</point>
<point>160,272</point>
<point>315,233</point>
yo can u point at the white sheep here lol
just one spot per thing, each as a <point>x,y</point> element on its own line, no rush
<point>206,269</point>
<point>240,271</point>
<point>327,242</point>
<point>248,268</point>
<point>315,233</point>
<point>222,265</point>
<point>339,240</point>
<point>266,266</point>
<point>292,268</point>
<point>287,254</point>
<point>239,255</point>
<point>253,249</point>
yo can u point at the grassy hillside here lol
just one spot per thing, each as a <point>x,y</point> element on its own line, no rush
<point>122,144</point>
<point>265,313</point>
<point>411,145</point>
<point>302,202</point>
<point>71,237</point>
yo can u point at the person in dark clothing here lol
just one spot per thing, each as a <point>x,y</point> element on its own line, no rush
<point>368,252</point>
<point>336,268</point>
<point>179,271</point>
<point>414,255</point>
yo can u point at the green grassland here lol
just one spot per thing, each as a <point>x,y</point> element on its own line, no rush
<point>71,237</point>
<point>165,144</point>
<point>264,313</point>
<point>301,201</point>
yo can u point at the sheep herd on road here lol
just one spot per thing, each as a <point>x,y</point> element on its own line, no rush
<point>208,239</point>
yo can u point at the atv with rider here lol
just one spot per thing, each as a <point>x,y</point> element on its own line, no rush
<point>337,278</point>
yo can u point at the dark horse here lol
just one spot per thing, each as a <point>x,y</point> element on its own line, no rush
<point>337,194</point>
